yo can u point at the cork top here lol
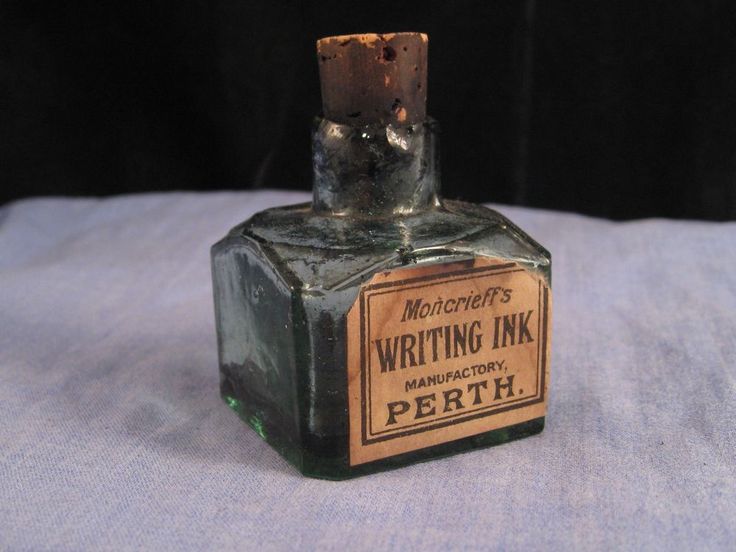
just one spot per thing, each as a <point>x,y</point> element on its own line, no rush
<point>370,79</point>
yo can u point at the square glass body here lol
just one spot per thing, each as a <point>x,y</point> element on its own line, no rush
<point>284,282</point>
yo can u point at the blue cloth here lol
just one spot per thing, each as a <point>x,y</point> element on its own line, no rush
<point>113,436</point>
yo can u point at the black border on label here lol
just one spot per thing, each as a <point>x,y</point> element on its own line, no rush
<point>543,305</point>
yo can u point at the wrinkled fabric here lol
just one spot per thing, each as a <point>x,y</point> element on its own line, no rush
<point>113,435</point>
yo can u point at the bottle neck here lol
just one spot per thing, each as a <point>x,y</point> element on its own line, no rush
<point>375,171</point>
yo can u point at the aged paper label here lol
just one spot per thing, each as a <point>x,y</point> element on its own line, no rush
<point>441,352</point>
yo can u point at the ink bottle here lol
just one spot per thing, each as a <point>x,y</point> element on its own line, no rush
<point>380,325</point>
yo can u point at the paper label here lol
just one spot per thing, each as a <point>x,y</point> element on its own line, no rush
<point>441,352</point>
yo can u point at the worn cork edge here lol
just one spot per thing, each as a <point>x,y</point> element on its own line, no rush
<point>372,78</point>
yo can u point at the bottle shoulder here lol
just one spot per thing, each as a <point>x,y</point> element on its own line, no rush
<point>298,226</point>
<point>326,251</point>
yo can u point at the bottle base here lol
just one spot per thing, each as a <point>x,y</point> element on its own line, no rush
<point>338,469</point>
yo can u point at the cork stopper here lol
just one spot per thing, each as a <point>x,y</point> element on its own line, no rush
<point>370,79</point>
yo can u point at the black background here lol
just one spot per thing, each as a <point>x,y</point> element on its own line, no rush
<point>622,109</point>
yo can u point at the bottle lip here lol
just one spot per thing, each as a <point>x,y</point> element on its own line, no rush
<point>374,170</point>
<point>429,123</point>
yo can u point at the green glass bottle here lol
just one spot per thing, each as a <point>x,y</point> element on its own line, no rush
<point>381,325</point>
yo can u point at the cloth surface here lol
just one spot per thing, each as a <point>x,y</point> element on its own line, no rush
<point>113,435</point>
